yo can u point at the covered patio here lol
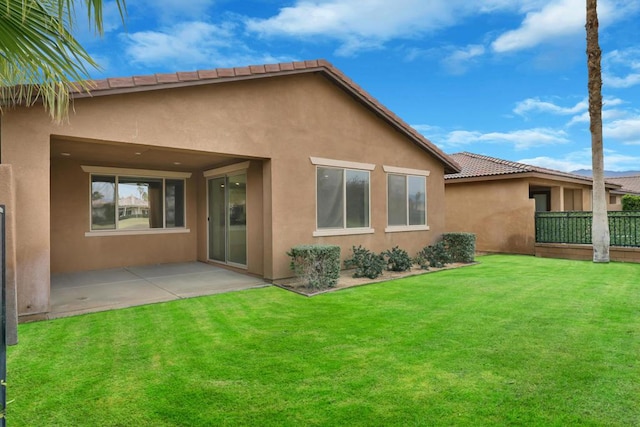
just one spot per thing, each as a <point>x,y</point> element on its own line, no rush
<point>101,290</point>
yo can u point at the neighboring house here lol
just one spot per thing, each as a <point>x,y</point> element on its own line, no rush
<point>630,185</point>
<point>496,199</point>
<point>233,166</point>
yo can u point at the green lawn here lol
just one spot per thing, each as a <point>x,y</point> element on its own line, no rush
<point>512,341</point>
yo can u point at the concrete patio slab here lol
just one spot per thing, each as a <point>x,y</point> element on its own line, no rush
<point>86,292</point>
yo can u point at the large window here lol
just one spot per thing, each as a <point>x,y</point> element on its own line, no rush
<point>343,198</point>
<point>125,202</point>
<point>406,201</point>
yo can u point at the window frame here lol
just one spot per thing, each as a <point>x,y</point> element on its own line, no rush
<point>141,174</point>
<point>406,173</point>
<point>344,166</point>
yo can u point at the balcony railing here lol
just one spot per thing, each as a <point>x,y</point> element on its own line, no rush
<point>575,227</point>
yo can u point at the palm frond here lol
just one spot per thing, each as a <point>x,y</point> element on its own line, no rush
<point>40,60</point>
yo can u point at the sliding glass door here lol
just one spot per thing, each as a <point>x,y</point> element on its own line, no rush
<point>227,200</point>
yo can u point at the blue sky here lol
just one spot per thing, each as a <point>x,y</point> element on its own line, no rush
<point>503,78</point>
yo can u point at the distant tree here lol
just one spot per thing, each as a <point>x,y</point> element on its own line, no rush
<point>630,203</point>
<point>600,227</point>
<point>40,60</point>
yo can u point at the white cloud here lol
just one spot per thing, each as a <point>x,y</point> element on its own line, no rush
<point>520,139</point>
<point>536,105</point>
<point>621,68</point>
<point>562,164</point>
<point>626,130</point>
<point>608,114</point>
<point>557,20</point>
<point>193,44</point>
<point>458,61</point>
<point>367,24</point>
<point>613,161</point>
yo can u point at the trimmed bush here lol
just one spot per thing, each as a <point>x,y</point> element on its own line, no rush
<point>317,265</point>
<point>435,256</point>
<point>461,246</point>
<point>630,202</point>
<point>398,259</point>
<point>367,263</point>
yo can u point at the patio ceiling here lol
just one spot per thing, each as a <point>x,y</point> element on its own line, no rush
<point>99,153</point>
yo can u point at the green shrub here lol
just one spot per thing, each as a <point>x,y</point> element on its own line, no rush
<point>317,265</point>
<point>630,203</point>
<point>435,256</point>
<point>367,263</point>
<point>461,246</point>
<point>397,259</point>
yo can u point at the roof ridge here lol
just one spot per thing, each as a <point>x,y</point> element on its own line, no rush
<point>187,78</point>
<point>200,75</point>
<point>624,176</point>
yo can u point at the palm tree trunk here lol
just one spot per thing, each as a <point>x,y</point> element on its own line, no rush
<point>600,227</point>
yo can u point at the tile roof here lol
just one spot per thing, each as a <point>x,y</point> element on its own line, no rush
<point>630,184</point>
<point>118,85</point>
<point>476,165</point>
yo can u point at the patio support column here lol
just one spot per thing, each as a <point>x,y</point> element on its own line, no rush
<point>586,199</point>
<point>27,149</point>
<point>267,217</point>
<point>557,199</point>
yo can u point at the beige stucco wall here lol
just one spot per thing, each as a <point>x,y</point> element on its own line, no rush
<point>8,199</point>
<point>282,120</point>
<point>499,212</point>
<point>71,250</point>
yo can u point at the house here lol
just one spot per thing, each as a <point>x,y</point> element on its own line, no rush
<point>232,166</point>
<point>630,185</point>
<point>496,199</point>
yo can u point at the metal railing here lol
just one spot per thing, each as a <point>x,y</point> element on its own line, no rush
<point>575,227</point>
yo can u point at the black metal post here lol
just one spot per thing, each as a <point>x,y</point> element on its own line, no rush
<point>3,321</point>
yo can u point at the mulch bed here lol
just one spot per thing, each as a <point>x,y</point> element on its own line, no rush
<point>347,280</point>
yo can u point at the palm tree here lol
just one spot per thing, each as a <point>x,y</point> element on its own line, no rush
<point>600,227</point>
<point>39,58</point>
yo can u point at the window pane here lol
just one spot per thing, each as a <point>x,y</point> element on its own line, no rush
<point>103,206</point>
<point>174,203</point>
<point>330,198</point>
<point>397,199</point>
<point>139,203</point>
<point>417,199</point>
<point>357,199</point>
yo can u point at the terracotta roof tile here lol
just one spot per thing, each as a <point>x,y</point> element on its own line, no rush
<point>145,80</point>
<point>104,87</point>
<point>257,69</point>
<point>208,74</point>
<point>630,184</point>
<point>243,71</point>
<point>188,76</point>
<point>119,82</point>
<point>99,84</point>
<point>476,165</point>
<point>167,78</point>
<point>272,68</point>
<point>226,72</point>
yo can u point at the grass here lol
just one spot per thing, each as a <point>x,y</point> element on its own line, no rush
<point>512,341</point>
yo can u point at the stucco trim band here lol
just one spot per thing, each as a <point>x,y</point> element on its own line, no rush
<point>342,232</point>
<point>405,171</point>
<point>399,228</point>
<point>226,169</point>
<point>137,232</point>
<point>319,161</point>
